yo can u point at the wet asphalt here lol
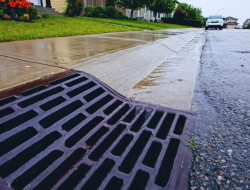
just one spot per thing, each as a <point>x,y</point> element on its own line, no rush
<point>222,102</point>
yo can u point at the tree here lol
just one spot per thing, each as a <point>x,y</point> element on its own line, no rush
<point>192,12</point>
<point>162,6</point>
<point>132,4</point>
<point>180,14</point>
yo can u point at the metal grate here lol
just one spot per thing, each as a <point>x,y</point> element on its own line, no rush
<point>77,133</point>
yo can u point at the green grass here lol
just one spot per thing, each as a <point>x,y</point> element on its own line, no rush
<point>68,26</point>
<point>141,24</point>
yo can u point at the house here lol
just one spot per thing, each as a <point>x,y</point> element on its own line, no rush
<point>246,22</point>
<point>60,5</point>
<point>230,22</point>
<point>146,14</point>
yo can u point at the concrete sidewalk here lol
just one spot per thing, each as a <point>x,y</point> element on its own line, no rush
<point>125,61</point>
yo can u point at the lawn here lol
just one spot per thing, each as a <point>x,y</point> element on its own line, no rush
<point>68,26</point>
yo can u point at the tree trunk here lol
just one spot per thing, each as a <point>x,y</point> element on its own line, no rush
<point>131,14</point>
<point>155,13</point>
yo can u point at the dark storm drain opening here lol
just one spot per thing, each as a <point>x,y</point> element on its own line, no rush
<point>141,120</point>
<point>12,165</point>
<point>77,136</point>
<point>180,125</point>
<point>99,175</point>
<point>40,97</point>
<point>7,100</point>
<point>112,107</point>
<point>99,104</point>
<point>152,154</point>
<point>73,122</point>
<point>92,95</point>
<point>6,111</point>
<point>75,177</point>
<point>75,82</point>
<point>80,89</point>
<point>106,143</point>
<point>165,126</point>
<point>83,135</point>
<point>167,164</point>
<point>54,176</point>
<point>17,139</point>
<point>34,171</point>
<point>58,115</point>
<point>96,136</point>
<point>134,153</point>
<point>115,184</point>
<point>122,145</point>
<point>16,121</point>
<point>52,103</point>
<point>140,181</point>
<point>34,90</point>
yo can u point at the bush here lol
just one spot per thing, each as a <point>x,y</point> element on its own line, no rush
<point>79,8</point>
<point>98,10</point>
<point>73,9</point>
<point>45,15</point>
<point>88,10</point>
<point>89,14</point>
<point>1,13</point>
<point>111,11</point>
<point>32,13</point>
<point>101,15</point>
<point>39,16</point>
<point>182,22</point>
<point>120,15</point>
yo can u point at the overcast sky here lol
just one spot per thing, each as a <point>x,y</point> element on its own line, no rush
<point>236,8</point>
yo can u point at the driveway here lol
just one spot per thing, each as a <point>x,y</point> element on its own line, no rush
<point>221,100</point>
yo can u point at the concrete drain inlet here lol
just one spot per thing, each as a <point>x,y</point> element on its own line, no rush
<point>77,133</point>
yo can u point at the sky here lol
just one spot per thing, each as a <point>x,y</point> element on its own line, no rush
<point>236,8</point>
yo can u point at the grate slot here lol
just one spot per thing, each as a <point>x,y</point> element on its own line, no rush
<point>76,81</point>
<point>73,122</point>
<point>16,140</point>
<point>180,125</point>
<point>96,136</point>
<point>92,95</point>
<point>140,181</point>
<point>7,100</point>
<point>167,164</point>
<point>99,175</point>
<point>34,90</point>
<point>75,177</point>
<point>61,80</point>
<point>141,120</point>
<point>122,145</point>
<point>96,106</point>
<point>61,170</point>
<point>106,143</point>
<point>22,181</point>
<point>80,89</point>
<point>40,97</point>
<point>52,103</point>
<point>134,153</point>
<point>132,114</point>
<point>152,154</point>
<point>155,120</point>
<point>77,136</point>
<point>13,164</point>
<point>112,107</point>
<point>115,184</point>
<point>165,126</point>
<point>6,111</point>
<point>16,121</point>
<point>117,116</point>
<point>60,114</point>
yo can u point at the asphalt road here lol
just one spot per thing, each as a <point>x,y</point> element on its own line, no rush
<point>222,101</point>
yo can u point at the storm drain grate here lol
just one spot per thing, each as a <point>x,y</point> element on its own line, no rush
<point>77,133</point>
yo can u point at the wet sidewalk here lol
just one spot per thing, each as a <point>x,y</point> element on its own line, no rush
<point>124,61</point>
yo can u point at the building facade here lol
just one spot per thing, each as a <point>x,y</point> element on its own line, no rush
<point>230,22</point>
<point>246,22</point>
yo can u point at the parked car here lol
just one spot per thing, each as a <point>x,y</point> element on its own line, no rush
<point>237,27</point>
<point>215,21</point>
<point>245,27</point>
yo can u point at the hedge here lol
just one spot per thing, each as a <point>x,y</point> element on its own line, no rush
<point>182,22</point>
